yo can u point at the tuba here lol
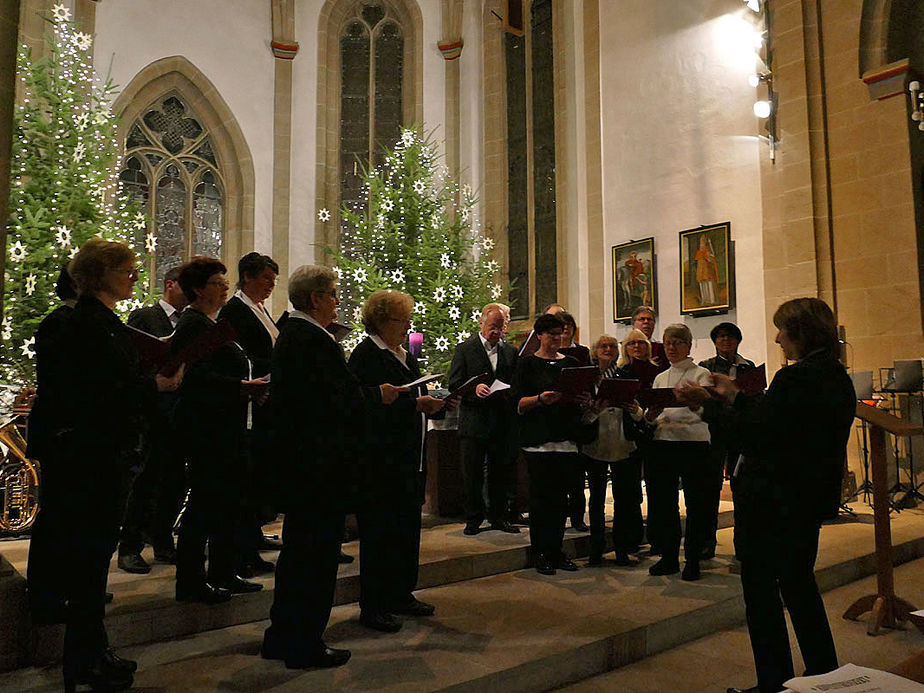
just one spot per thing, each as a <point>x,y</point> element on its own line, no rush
<point>19,481</point>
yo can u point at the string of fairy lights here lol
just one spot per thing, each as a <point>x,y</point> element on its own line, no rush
<point>65,188</point>
<point>410,234</point>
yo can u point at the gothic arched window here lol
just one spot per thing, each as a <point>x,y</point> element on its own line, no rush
<point>531,206</point>
<point>171,169</point>
<point>371,83</point>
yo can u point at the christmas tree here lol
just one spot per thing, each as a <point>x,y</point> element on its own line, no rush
<point>410,235</point>
<point>64,186</point>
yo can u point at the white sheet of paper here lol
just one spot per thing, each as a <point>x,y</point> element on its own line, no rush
<point>424,380</point>
<point>498,385</point>
<point>919,612</point>
<point>853,679</point>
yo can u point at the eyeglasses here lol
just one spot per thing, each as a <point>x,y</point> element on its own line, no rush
<point>132,273</point>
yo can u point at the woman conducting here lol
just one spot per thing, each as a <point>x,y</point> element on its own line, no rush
<point>395,471</point>
<point>97,408</point>
<point>793,441</point>
<point>211,415</point>
<point>614,450</point>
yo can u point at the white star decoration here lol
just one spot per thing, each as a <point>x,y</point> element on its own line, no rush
<point>338,272</point>
<point>397,276</point>
<point>60,13</point>
<point>82,41</point>
<point>420,308</point>
<point>62,236</point>
<point>464,214</point>
<point>419,187</point>
<point>457,291</point>
<point>407,138</point>
<point>467,190</point>
<point>439,295</point>
<point>463,335</point>
<point>323,214</point>
<point>454,313</point>
<point>101,117</point>
<point>476,315</point>
<point>150,243</point>
<point>435,221</point>
<point>496,291</point>
<point>487,243</point>
<point>72,253</point>
<point>81,121</point>
<point>28,348</point>
<point>387,205</point>
<point>139,222</point>
<point>445,261</point>
<point>79,151</point>
<point>17,252</point>
<point>492,266</point>
<point>442,344</point>
<point>357,314</point>
<point>30,285</point>
<point>359,274</point>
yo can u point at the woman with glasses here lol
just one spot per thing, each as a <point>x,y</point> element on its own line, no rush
<point>550,429</point>
<point>97,399</point>
<point>614,450</point>
<point>211,417</point>
<point>394,474</point>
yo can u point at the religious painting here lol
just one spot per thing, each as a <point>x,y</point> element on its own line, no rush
<point>707,273</point>
<point>633,278</point>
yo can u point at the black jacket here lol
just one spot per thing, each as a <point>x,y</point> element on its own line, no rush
<point>319,409</point>
<point>151,319</point>
<point>395,433</point>
<point>794,441</point>
<point>251,334</point>
<point>211,408</point>
<point>489,417</point>
<point>553,423</point>
<point>50,355</point>
<point>717,364</point>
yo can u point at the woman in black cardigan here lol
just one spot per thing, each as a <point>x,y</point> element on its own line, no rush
<point>394,475</point>
<point>211,417</point>
<point>549,429</point>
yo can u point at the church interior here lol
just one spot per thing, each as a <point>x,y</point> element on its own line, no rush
<point>601,140</point>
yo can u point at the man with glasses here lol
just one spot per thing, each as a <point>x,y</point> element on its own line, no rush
<point>645,318</point>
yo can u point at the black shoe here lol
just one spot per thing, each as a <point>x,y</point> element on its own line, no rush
<point>654,550</point>
<point>133,563</point>
<point>98,674</point>
<point>690,571</point>
<point>519,519</point>
<point>325,658</point>
<point>752,689</point>
<point>565,563</point>
<point>471,530</point>
<point>579,526</point>
<point>595,561</point>
<point>238,585</point>
<point>664,567</point>
<point>416,608</point>
<point>386,623</point>
<point>622,559</point>
<point>116,662</point>
<point>165,555</point>
<point>203,593</point>
<point>545,565</point>
<point>270,542</point>
<point>344,559</point>
<point>504,526</point>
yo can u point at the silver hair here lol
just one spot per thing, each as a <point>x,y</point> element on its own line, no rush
<point>307,279</point>
<point>678,331</point>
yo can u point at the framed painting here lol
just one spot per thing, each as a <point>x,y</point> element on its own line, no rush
<point>634,281</point>
<point>707,283</point>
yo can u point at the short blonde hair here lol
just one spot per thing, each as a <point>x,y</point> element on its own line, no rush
<point>92,262</point>
<point>678,331</point>
<point>633,336</point>
<point>603,338</point>
<point>383,305</point>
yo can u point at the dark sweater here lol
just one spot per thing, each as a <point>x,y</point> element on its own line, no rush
<point>544,424</point>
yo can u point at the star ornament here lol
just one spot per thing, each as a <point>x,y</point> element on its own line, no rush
<point>17,252</point>
<point>419,187</point>
<point>463,335</point>
<point>28,347</point>
<point>496,291</point>
<point>420,307</point>
<point>397,276</point>
<point>60,13</point>
<point>487,243</point>
<point>445,261</point>
<point>387,205</point>
<point>457,291</point>
<point>150,243</point>
<point>323,215</point>
<point>101,117</point>
<point>82,121</point>
<point>79,151</point>
<point>454,313</point>
<point>439,295</point>
<point>30,285</point>
<point>442,344</point>
<point>82,41</point>
<point>407,138</point>
<point>360,275</point>
<point>139,222</point>
<point>476,315</point>
<point>62,236</point>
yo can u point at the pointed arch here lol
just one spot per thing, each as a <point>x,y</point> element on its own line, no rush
<point>333,17</point>
<point>177,75</point>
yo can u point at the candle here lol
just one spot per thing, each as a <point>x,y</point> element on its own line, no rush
<point>415,343</point>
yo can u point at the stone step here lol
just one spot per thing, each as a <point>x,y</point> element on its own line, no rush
<point>513,631</point>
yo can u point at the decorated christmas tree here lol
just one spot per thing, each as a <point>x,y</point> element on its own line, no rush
<point>410,235</point>
<point>64,186</point>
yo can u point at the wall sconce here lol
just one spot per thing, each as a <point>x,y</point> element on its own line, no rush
<point>765,109</point>
<point>753,5</point>
<point>917,103</point>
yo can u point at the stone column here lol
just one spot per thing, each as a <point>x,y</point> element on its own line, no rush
<point>451,47</point>
<point>9,43</point>
<point>285,48</point>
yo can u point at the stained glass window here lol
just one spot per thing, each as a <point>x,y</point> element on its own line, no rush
<point>371,82</point>
<point>531,225</point>
<point>171,168</point>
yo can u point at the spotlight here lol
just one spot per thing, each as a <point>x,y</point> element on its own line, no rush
<point>762,109</point>
<point>753,5</point>
<point>754,80</point>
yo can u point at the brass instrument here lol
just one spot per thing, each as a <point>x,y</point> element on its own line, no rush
<point>19,481</point>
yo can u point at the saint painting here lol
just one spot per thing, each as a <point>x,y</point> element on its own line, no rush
<point>633,278</point>
<point>706,285</point>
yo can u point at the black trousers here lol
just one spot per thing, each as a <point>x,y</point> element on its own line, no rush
<point>72,544</point>
<point>577,501</point>
<point>667,463</point>
<point>212,516</point>
<point>389,554</point>
<point>155,495</point>
<point>549,473</point>
<point>626,476</point>
<point>715,482</point>
<point>306,575</point>
<point>497,457</point>
<point>777,567</point>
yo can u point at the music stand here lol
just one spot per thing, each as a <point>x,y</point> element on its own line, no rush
<point>863,386</point>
